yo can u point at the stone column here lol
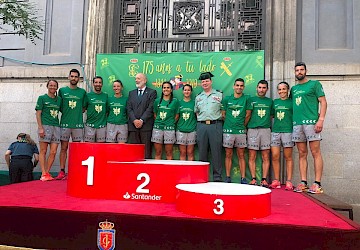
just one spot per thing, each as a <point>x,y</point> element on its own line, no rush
<point>280,42</point>
<point>98,33</point>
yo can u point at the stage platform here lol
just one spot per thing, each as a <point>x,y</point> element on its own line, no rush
<point>41,215</point>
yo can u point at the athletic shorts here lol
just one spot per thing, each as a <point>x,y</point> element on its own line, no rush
<point>258,138</point>
<point>183,138</point>
<point>51,135</point>
<point>77,134</point>
<point>163,136</point>
<point>282,139</point>
<point>95,134</point>
<point>116,133</point>
<point>237,140</point>
<point>303,133</point>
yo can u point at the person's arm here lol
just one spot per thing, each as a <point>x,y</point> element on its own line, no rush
<point>36,160</point>
<point>40,126</point>
<point>247,117</point>
<point>7,157</point>
<point>149,110</point>
<point>130,109</point>
<point>323,107</point>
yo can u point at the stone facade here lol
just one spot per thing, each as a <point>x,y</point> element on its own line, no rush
<point>295,31</point>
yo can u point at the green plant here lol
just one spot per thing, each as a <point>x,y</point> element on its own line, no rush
<point>23,17</point>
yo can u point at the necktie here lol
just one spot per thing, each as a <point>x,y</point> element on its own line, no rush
<point>140,92</point>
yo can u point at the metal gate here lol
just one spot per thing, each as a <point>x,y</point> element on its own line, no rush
<point>156,26</point>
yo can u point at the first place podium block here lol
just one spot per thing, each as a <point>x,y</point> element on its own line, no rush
<point>119,172</point>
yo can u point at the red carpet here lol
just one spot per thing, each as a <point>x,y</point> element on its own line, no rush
<point>40,214</point>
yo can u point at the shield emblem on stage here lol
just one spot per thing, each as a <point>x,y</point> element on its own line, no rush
<point>106,236</point>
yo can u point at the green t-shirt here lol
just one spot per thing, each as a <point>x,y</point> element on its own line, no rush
<point>165,114</point>
<point>305,102</point>
<point>96,109</point>
<point>117,110</point>
<point>187,117</point>
<point>283,113</point>
<point>73,102</point>
<point>235,113</point>
<point>261,112</point>
<point>50,108</point>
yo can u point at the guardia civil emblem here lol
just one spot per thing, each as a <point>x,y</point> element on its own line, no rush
<point>72,104</point>
<point>116,111</point>
<point>298,100</point>
<point>261,113</point>
<point>280,115</point>
<point>53,113</point>
<point>106,236</point>
<point>235,113</point>
<point>163,115</point>
<point>98,108</point>
<point>186,116</point>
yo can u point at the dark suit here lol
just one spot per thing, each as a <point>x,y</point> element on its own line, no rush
<point>141,108</point>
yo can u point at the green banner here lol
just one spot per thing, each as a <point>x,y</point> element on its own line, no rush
<point>185,68</point>
<point>182,68</point>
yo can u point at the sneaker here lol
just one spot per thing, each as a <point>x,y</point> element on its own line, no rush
<point>275,184</point>
<point>243,180</point>
<point>315,189</point>
<point>61,176</point>
<point>228,179</point>
<point>289,186</point>
<point>301,188</point>
<point>46,177</point>
<point>264,183</point>
<point>253,182</point>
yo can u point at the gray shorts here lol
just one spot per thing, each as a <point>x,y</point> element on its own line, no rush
<point>303,133</point>
<point>95,134</point>
<point>52,134</point>
<point>282,139</point>
<point>116,133</point>
<point>77,134</point>
<point>237,140</point>
<point>185,138</point>
<point>259,138</point>
<point>163,136</point>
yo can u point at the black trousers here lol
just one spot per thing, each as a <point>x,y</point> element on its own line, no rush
<point>142,137</point>
<point>21,170</point>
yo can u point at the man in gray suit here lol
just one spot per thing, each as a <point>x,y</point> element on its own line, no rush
<point>140,111</point>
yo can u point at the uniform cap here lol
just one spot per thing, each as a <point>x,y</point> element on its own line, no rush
<point>205,75</point>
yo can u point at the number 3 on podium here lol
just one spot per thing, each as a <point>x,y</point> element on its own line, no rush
<point>219,210</point>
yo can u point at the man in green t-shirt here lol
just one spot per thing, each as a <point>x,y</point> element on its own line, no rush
<point>236,111</point>
<point>72,108</point>
<point>95,104</point>
<point>259,134</point>
<point>307,96</point>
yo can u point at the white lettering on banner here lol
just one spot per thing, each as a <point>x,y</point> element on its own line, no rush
<point>220,205</point>
<point>90,173</point>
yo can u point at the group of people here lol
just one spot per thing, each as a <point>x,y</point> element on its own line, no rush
<point>239,121</point>
<point>259,123</point>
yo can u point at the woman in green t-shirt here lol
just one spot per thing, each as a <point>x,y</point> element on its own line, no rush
<point>186,126</point>
<point>166,114</point>
<point>47,111</point>
<point>281,135</point>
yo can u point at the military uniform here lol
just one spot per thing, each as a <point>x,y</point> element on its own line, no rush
<point>209,129</point>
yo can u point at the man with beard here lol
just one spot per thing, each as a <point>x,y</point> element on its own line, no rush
<point>259,134</point>
<point>95,125</point>
<point>308,123</point>
<point>72,107</point>
<point>140,112</point>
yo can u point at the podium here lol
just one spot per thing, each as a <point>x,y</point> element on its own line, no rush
<point>120,172</point>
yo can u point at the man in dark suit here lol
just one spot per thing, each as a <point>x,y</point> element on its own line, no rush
<point>140,111</point>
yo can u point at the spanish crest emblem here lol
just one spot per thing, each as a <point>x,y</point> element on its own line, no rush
<point>106,236</point>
